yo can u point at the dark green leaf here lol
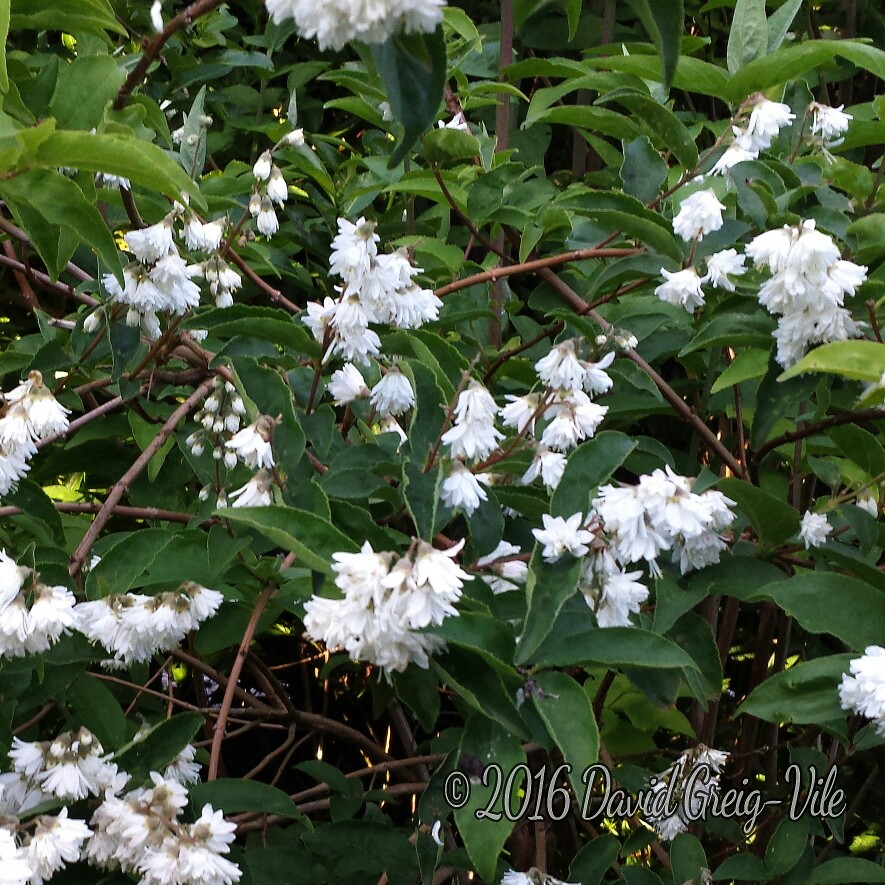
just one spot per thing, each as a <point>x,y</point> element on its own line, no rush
<point>773,520</point>
<point>664,23</point>
<point>97,708</point>
<point>234,795</point>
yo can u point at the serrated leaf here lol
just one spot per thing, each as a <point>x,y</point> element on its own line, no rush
<point>859,360</point>
<point>311,537</point>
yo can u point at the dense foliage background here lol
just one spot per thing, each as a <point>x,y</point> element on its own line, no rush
<point>542,219</point>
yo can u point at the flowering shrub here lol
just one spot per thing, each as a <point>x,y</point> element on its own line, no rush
<point>441,444</point>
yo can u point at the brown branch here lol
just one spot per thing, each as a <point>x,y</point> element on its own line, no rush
<point>119,488</point>
<point>275,295</point>
<point>221,722</point>
<point>120,510</point>
<point>679,405</point>
<point>153,47</point>
<point>534,266</point>
<point>817,427</point>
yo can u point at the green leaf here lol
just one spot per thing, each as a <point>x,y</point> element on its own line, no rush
<point>827,602</point>
<point>742,867</point>
<point>804,693</point>
<point>664,23</point>
<point>575,640</point>
<point>773,520</point>
<point>593,861</point>
<point>748,35</point>
<point>421,495</point>
<point>61,202</point>
<point>141,162</point>
<point>860,446</point>
<point>96,707</point>
<point>660,120</point>
<point>842,870</point>
<point>4,33</point>
<point>568,715</point>
<point>869,233</point>
<point>413,69</point>
<point>859,360</point>
<point>154,750</point>
<point>36,504</point>
<point>252,321</point>
<point>443,146</point>
<point>85,89</point>
<point>124,564</point>
<point>593,119</point>
<point>687,858</point>
<point>486,741</point>
<point>311,537</point>
<point>84,16</point>
<point>749,363</point>
<point>779,23</point>
<point>643,170</point>
<point>590,465</point>
<point>233,795</point>
<point>732,330</point>
<point>548,586</point>
<point>192,152</point>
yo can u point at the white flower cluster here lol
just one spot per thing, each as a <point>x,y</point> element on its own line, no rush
<point>34,617</point>
<point>270,188</point>
<point>29,413</point>
<point>814,530</point>
<point>387,600</point>
<point>219,418</point>
<point>633,524</point>
<point>377,288</point>
<point>335,23</point>
<point>697,779</point>
<point>807,288</point>
<point>139,833</point>
<point>829,125</point>
<point>767,118</point>
<point>391,396</point>
<point>134,627</point>
<point>863,692</point>
<point>142,833</point>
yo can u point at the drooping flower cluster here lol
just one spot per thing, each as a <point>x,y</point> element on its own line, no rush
<point>863,692</point>
<point>766,120</point>
<point>634,524</point>
<point>377,288</point>
<point>335,23</point>
<point>807,289</point>
<point>387,600</point>
<point>134,627</point>
<point>682,288</point>
<point>33,616</point>
<point>507,572</point>
<point>29,413</point>
<point>142,833</point>
<point>682,793</point>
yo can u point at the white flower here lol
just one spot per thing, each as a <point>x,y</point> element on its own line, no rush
<point>56,841</point>
<point>520,411</point>
<point>682,289</point>
<point>721,266</point>
<point>12,468</point>
<point>12,576</point>
<point>735,153</point>
<point>157,16</point>
<point>829,123</point>
<point>612,593</point>
<point>507,574</point>
<point>563,536</point>
<point>766,120</point>
<point>462,489</point>
<point>45,415</point>
<point>334,23</point>
<point>261,169</point>
<point>253,443</point>
<point>474,434</point>
<point>295,138</point>
<point>203,237</point>
<point>277,189</point>
<point>151,243</point>
<point>867,502</point>
<point>547,464</point>
<point>256,492</point>
<point>15,868</point>
<point>353,249</point>
<point>457,122</point>
<point>863,692</point>
<point>267,221</point>
<point>699,214</point>
<point>393,394</point>
<point>561,368</point>
<point>814,530</point>
<point>347,384</point>
<point>574,418</point>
